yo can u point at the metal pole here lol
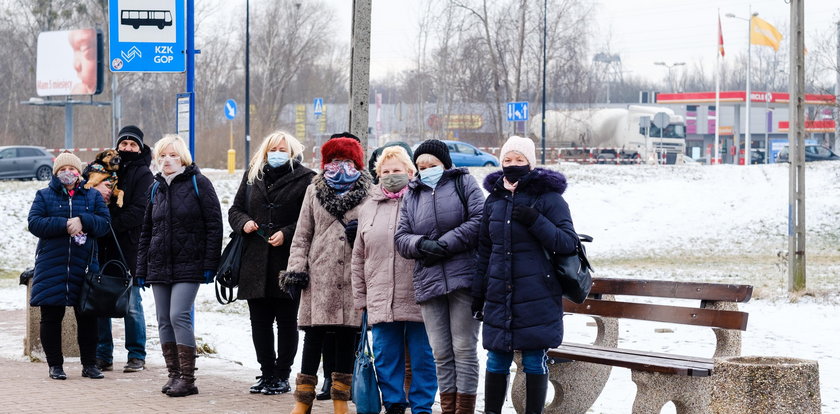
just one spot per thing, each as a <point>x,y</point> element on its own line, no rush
<point>247,82</point>
<point>836,143</point>
<point>360,71</point>
<point>191,70</point>
<point>796,134</point>
<point>114,109</point>
<point>545,65</point>
<point>68,126</point>
<point>747,133</point>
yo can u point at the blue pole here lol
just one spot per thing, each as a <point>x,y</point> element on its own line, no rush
<point>191,70</point>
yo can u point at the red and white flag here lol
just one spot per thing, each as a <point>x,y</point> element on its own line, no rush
<point>720,38</point>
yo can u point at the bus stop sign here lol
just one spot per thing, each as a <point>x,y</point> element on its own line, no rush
<point>147,36</point>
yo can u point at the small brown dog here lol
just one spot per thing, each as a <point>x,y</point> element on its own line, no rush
<point>105,168</point>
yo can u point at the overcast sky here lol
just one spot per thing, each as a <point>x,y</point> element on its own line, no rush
<point>641,31</point>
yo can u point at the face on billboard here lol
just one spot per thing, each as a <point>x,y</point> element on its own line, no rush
<point>68,63</point>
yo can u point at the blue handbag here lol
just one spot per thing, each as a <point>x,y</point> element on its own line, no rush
<point>365,390</point>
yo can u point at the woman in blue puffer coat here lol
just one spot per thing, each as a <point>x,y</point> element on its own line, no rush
<point>67,219</point>
<point>516,288</point>
<point>439,229</point>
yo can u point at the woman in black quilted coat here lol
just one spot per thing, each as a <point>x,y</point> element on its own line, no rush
<point>179,249</point>
<point>265,211</point>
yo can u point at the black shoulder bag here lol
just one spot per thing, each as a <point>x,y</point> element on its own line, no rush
<point>227,274</point>
<point>573,271</point>
<point>106,293</point>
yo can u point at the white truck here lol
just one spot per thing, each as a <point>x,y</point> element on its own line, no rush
<point>616,135</point>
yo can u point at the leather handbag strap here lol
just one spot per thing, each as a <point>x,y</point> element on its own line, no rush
<point>119,249</point>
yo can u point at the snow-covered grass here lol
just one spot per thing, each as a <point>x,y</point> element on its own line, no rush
<point>688,223</point>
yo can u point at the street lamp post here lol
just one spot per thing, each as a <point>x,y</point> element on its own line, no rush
<point>670,75</point>
<point>747,135</point>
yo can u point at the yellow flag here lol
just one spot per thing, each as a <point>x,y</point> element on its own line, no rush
<point>764,34</point>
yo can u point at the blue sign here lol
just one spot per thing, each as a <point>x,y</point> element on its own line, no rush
<point>517,111</point>
<point>230,109</point>
<point>147,36</point>
<point>318,106</point>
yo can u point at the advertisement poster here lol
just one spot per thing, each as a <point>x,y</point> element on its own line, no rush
<point>69,63</point>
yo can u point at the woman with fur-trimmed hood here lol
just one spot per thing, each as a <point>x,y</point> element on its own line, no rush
<point>515,287</point>
<point>319,268</point>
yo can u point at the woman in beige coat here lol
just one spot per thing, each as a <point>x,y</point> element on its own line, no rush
<point>319,268</point>
<point>382,284</point>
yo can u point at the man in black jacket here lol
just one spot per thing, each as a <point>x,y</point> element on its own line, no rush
<point>135,179</point>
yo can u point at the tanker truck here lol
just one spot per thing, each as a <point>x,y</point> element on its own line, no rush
<point>616,135</point>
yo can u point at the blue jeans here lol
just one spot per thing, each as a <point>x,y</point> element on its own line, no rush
<point>135,331</point>
<point>453,334</point>
<point>534,361</point>
<point>389,343</point>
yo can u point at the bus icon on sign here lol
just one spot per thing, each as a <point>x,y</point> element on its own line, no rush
<point>137,18</point>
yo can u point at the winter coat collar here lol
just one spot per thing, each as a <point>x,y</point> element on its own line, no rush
<point>450,174</point>
<point>189,171</point>
<point>538,181</point>
<point>336,204</point>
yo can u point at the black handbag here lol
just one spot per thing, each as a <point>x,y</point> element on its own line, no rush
<point>227,275</point>
<point>573,271</point>
<point>106,293</point>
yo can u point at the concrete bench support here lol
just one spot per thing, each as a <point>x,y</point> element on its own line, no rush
<point>766,385</point>
<point>32,341</point>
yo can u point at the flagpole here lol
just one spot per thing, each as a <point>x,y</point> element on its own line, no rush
<point>714,158</point>
<point>747,135</point>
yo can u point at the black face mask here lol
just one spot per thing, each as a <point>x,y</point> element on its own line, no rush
<point>128,156</point>
<point>514,172</point>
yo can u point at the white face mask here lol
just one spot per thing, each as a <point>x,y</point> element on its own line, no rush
<point>169,163</point>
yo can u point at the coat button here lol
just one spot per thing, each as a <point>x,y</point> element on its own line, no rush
<point>341,262</point>
<point>508,222</point>
<point>508,252</point>
<point>341,238</point>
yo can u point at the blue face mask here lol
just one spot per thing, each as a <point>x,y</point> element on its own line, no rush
<point>277,158</point>
<point>431,176</point>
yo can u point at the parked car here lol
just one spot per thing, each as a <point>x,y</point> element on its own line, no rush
<point>25,162</point>
<point>812,153</point>
<point>466,155</point>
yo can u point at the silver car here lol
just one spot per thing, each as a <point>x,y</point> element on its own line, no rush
<point>25,162</point>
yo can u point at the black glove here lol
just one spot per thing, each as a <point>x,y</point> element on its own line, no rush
<point>478,308</point>
<point>525,215</point>
<point>350,230</point>
<point>433,251</point>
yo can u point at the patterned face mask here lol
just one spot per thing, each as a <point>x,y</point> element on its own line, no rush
<point>67,177</point>
<point>341,175</point>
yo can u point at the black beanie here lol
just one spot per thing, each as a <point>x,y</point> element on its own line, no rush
<point>345,134</point>
<point>130,132</point>
<point>437,148</point>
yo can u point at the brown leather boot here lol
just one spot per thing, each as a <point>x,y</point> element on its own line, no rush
<point>447,402</point>
<point>465,404</point>
<point>304,393</point>
<point>184,385</point>
<point>170,355</point>
<point>340,391</point>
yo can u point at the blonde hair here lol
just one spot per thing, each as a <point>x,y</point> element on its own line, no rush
<point>394,152</point>
<point>428,158</point>
<point>178,145</point>
<point>258,161</point>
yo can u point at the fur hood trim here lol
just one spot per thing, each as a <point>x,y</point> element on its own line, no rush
<point>538,181</point>
<point>338,205</point>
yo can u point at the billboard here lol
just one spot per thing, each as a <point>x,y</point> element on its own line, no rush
<point>69,63</point>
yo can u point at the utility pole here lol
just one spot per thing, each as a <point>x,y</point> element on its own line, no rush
<point>544,66</point>
<point>247,83</point>
<point>360,71</point>
<point>836,144</point>
<point>796,203</point>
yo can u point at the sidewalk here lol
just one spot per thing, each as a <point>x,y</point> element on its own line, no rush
<point>26,388</point>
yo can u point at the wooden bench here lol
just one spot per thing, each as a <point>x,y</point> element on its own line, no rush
<point>580,371</point>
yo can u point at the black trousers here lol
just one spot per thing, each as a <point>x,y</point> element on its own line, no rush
<point>265,312</point>
<point>86,335</point>
<point>345,348</point>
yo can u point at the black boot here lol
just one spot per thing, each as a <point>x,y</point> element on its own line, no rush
<point>535,389</point>
<point>325,390</point>
<point>185,384</point>
<point>495,389</point>
<point>259,386</point>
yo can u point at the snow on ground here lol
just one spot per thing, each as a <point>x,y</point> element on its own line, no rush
<point>689,223</point>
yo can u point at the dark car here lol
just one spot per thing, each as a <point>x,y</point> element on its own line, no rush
<point>812,153</point>
<point>25,162</point>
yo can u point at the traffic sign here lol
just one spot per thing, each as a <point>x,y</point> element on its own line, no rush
<point>147,36</point>
<point>230,109</point>
<point>517,111</point>
<point>318,105</point>
<point>661,120</point>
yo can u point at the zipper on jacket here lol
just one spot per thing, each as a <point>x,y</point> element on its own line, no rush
<point>69,256</point>
<point>437,227</point>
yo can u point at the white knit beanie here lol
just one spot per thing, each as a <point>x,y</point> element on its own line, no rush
<point>524,146</point>
<point>67,158</point>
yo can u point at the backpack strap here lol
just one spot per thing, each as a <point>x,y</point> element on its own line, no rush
<point>459,188</point>
<point>157,184</point>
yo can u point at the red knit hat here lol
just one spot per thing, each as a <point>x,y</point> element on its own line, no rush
<point>343,148</point>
